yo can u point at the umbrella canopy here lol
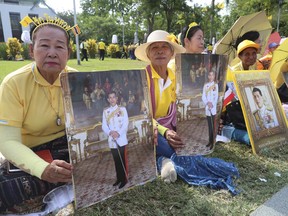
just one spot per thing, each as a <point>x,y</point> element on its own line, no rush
<point>253,22</point>
<point>278,58</point>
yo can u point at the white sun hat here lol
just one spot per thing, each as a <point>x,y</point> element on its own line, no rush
<point>157,36</point>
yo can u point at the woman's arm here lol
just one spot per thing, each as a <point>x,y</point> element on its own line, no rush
<point>16,152</point>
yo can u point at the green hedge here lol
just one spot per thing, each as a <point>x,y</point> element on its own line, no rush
<point>3,53</point>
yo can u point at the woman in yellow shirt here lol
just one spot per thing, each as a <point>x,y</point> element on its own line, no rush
<point>158,51</point>
<point>32,118</point>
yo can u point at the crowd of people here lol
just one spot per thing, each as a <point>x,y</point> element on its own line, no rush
<point>32,114</point>
<point>94,96</point>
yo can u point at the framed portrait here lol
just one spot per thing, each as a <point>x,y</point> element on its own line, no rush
<point>85,95</point>
<point>200,91</point>
<point>109,128</point>
<point>262,110</point>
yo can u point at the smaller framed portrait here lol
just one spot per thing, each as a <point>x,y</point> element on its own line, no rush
<point>262,110</point>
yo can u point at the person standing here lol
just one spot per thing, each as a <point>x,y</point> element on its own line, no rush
<point>84,47</point>
<point>101,48</point>
<point>115,124</point>
<point>210,98</point>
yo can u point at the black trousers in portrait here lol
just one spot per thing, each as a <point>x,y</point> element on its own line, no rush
<point>211,125</point>
<point>121,163</point>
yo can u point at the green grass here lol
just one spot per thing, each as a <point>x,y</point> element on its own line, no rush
<point>157,198</point>
<point>86,66</point>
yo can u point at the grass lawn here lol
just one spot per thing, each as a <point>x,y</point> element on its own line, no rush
<point>158,198</point>
<point>86,66</point>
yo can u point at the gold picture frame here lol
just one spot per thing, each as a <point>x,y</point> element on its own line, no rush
<point>261,107</point>
<point>91,152</point>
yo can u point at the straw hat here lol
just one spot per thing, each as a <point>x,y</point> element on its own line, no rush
<point>247,44</point>
<point>157,36</point>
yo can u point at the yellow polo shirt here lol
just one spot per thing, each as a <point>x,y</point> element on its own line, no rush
<point>165,97</point>
<point>101,45</point>
<point>24,105</point>
<point>26,101</point>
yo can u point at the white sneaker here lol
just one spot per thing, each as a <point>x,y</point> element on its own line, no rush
<point>168,172</point>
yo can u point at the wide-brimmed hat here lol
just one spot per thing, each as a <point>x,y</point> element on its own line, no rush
<point>157,36</point>
<point>247,44</point>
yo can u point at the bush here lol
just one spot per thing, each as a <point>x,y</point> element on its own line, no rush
<point>111,50</point>
<point>13,48</point>
<point>26,52</point>
<point>3,53</point>
<point>92,48</point>
<point>73,53</point>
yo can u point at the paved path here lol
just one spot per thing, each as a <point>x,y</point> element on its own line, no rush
<point>277,205</point>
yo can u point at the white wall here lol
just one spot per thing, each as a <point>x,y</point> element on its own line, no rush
<point>24,10</point>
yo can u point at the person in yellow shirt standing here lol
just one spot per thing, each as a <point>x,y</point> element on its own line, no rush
<point>84,47</point>
<point>101,48</point>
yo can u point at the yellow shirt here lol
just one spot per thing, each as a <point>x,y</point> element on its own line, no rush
<point>164,95</point>
<point>101,45</point>
<point>26,99</point>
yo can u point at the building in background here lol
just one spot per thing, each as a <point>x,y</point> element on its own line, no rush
<point>12,12</point>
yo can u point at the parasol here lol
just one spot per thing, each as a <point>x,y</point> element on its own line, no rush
<point>253,22</point>
<point>278,58</point>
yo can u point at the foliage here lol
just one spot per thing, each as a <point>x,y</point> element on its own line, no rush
<point>68,16</point>
<point>240,8</point>
<point>26,52</point>
<point>13,47</point>
<point>111,50</point>
<point>3,53</point>
<point>73,49</point>
<point>92,48</point>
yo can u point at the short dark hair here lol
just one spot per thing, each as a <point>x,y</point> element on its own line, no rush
<point>255,89</point>
<point>112,92</point>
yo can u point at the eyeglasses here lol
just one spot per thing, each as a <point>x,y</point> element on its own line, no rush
<point>190,26</point>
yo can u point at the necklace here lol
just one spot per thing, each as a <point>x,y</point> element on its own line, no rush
<point>58,119</point>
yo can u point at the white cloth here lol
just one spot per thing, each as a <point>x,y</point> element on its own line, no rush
<point>268,118</point>
<point>210,94</point>
<point>115,119</point>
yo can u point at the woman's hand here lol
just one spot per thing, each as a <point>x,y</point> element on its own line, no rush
<point>58,171</point>
<point>173,139</point>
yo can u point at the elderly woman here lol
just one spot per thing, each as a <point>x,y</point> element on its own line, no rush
<point>32,119</point>
<point>247,53</point>
<point>161,81</point>
<point>192,38</point>
<point>158,51</point>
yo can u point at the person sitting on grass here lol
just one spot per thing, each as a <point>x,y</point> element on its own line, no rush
<point>32,120</point>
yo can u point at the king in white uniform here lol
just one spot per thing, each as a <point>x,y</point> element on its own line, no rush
<point>210,98</point>
<point>115,124</point>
